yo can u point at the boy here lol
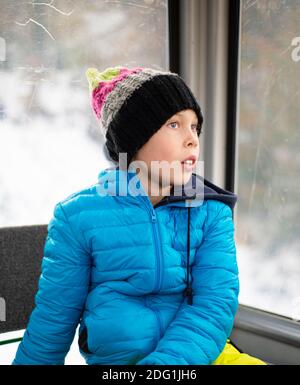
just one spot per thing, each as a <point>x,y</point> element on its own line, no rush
<point>119,254</point>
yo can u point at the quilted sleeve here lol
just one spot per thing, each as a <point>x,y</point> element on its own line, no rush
<point>62,290</point>
<point>198,333</point>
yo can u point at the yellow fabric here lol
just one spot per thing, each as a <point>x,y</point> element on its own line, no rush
<point>231,356</point>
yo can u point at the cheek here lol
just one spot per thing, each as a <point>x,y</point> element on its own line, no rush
<point>168,153</point>
<point>160,147</point>
<point>166,150</point>
<point>159,150</point>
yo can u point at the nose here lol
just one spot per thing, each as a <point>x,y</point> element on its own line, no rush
<point>191,139</point>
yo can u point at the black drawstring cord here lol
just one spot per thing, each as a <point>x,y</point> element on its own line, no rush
<point>188,290</point>
<point>235,346</point>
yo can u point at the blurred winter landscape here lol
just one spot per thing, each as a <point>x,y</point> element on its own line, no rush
<point>47,156</point>
<point>8,351</point>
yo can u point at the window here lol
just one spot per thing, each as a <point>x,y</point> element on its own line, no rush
<point>50,145</point>
<point>268,209</point>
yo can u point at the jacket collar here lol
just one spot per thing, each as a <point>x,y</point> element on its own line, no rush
<point>114,181</point>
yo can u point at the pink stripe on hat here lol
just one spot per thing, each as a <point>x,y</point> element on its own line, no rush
<point>101,92</point>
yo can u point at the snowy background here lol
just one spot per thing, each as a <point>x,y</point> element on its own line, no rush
<point>8,351</point>
<point>46,157</point>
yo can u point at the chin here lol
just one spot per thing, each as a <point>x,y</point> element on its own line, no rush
<point>182,179</point>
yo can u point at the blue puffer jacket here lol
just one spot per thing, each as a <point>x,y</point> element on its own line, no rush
<point>148,285</point>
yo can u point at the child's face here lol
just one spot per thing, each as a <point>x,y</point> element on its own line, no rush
<point>176,140</point>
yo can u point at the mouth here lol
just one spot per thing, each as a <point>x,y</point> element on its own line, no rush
<point>189,163</point>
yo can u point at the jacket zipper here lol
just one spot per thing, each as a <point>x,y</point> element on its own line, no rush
<point>158,252</point>
<point>159,260</point>
<point>157,243</point>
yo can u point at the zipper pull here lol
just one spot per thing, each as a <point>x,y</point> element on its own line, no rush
<point>153,215</point>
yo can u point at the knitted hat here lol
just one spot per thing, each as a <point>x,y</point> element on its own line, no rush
<point>131,104</point>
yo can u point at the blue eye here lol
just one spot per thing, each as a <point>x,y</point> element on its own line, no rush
<point>173,123</point>
<point>196,127</point>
